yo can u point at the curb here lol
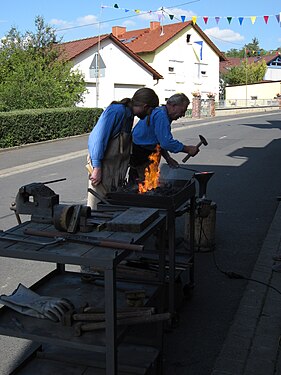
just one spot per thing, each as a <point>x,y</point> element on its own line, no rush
<point>252,343</point>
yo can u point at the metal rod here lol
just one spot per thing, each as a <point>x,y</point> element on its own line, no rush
<point>189,169</point>
<point>52,181</point>
<point>97,195</point>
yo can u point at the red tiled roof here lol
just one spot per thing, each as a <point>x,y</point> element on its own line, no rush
<point>149,39</point>
<point>75,48</point>
<point>236,61</point>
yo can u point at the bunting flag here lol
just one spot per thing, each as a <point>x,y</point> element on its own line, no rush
<point>205,19</point>
<point>195,18</point>
<point>241,19</point>
<point>253,19</point>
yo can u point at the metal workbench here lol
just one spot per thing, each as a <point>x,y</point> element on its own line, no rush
<point>62,283</point>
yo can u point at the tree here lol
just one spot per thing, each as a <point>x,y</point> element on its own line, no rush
<point>245,73</point>
<point>250,49</point>
<point>33,72</point>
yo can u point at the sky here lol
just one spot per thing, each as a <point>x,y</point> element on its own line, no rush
<point>229,24</point>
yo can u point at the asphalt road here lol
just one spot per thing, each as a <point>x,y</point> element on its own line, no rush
<point>243,151</point>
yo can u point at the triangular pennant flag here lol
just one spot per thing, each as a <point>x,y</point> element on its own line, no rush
<point>183,18</point>
<point>229,19</point>
<point>137,10</point>
<point>253,19</point>
<point>116,6</point>
<point>205,20</point>
<point>171,16</point>
<point>127,10</point>
<point>240,19</point>
<point>217,19</point>
<point>194,19</point>
<point>277,17</point>
<point>265,19</point>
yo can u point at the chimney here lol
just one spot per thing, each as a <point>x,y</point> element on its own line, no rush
<point>118,30</point>
<point>154,25</point>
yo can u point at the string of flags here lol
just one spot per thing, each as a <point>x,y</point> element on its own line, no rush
<point>162,11</point>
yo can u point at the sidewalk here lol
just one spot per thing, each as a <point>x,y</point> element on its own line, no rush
<point>252,346</point>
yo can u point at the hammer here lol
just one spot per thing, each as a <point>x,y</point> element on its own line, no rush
<point>203,141</point>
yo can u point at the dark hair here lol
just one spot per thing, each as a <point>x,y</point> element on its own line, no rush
<point>146,95</point>
<point>178,99</point>
<point>124,101</point>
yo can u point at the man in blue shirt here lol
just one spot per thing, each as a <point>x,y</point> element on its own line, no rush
<point>147,134</point>
<point>109,142</point>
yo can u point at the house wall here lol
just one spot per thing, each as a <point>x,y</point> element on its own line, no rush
<point>273,73</point>
<point>121,77</point>
<point>184,59</point>
<point>263,91</point>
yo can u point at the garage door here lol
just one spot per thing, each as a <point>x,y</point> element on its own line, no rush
<point>125,91</point>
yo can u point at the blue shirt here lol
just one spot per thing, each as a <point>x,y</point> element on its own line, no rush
<point>112,120</point>
<point>158,132</point>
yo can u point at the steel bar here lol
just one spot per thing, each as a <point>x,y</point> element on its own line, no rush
<point>96,241</point>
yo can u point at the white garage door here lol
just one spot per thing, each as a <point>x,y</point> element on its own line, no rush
<point>125,91</point>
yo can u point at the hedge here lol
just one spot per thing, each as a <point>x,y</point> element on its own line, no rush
<point>29,126</point>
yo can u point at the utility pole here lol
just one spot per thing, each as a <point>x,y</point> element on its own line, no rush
<point>246,69</point>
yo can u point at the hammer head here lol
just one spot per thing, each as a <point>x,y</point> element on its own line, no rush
<point>203,140</point>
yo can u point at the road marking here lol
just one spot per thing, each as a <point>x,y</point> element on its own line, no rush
<point>42,163</point>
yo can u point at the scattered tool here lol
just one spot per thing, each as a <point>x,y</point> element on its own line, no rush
<point>95,241</point>
<point>71,317</point>
<point>203,141</point>
<point>97,195</point>
<point>79,328</point>
<point>8,236</point>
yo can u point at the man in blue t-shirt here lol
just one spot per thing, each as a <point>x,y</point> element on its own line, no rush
<point>156,131</point>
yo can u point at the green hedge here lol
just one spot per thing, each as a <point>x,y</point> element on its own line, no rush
<point>28,126</point>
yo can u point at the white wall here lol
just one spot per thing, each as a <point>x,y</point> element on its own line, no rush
<point>273,74</point>
<point>187,76</point>
<point>266,90</point>
<point>122,75</point>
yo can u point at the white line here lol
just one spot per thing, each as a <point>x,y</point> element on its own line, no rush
<point>41,163</point>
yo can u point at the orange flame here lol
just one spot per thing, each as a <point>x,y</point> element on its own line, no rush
<point>151,173</point>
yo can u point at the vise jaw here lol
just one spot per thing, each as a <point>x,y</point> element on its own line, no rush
<point>37,200</point>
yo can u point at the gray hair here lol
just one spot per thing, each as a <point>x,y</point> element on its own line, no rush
<point>178,99</point>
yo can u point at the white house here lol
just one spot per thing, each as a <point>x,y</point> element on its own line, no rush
<point>181,52</point>
<point>173,58</point>
<point>111,70</point>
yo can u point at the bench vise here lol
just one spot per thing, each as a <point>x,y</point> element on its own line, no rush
<point>37,200</point>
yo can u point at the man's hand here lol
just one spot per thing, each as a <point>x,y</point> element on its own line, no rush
<point>95,177</point>
<point>191,150</point>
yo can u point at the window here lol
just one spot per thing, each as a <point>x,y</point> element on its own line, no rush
<point>97,67</point>
<point>171,69</point>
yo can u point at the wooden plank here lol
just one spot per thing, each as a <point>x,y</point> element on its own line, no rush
<point>135,219</point>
